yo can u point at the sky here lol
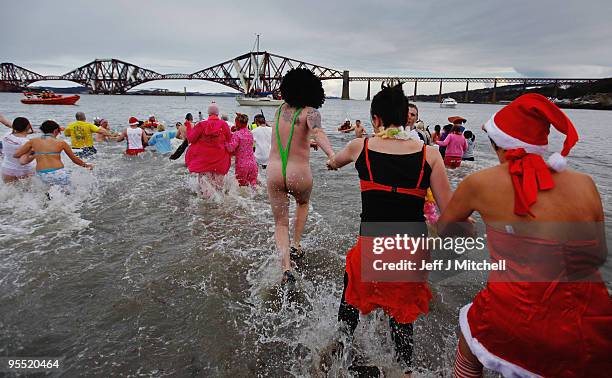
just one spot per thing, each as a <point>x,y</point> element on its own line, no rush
<point>536,38</point>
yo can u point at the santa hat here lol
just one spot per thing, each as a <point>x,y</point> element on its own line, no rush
<point>133,121</point>
<point>525,123</point>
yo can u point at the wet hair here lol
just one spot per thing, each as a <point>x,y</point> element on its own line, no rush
<point>259,118</point>
<point>80,116</point>
<point>456,129</point>
<point>49,126</point>
<point>20,124</point>
<point>391,106</point>
<point>358,120</point>
<point>301,88</point>
<point>469,135</point>
<point>447,128</point>
<point>437,128</point>
<point>189,117</point>
<point>241,120</point>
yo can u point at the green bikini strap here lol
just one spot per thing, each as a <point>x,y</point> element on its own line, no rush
<point>284,152</point>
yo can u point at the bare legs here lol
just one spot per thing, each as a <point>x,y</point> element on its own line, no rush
<point>210,182</point>
<point>301,216</point>
<point>279,200</point>
<point>300,188</point>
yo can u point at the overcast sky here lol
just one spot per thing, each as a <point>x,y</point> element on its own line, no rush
<point>424,38</point>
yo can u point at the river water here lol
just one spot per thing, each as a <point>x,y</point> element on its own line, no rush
<point>135,275</point>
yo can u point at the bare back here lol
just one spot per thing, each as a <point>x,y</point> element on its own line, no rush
<point>298,179</point>
<point>47,152</point>
<point>558,212</point>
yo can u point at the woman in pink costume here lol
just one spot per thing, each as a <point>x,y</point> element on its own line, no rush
<point>207,155</point>
<point>241,146</point>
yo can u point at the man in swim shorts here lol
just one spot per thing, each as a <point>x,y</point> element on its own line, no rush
<point>80,133</point>
<point>289,162</point>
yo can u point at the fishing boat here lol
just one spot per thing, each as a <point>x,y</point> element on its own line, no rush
<point>448,103</point>
<point>49,98</point>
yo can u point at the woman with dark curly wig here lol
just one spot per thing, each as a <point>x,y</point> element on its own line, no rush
<point>289,165</point>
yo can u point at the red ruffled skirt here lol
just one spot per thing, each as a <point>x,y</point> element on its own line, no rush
<point>404,301</point>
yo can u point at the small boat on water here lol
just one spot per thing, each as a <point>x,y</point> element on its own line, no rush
<point>256,87</point>
<point>448,103</point>
<point>258,101</point>
<point>49,98</point>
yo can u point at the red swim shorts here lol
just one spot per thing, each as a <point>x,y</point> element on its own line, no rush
<point>134,152</point>
<point>452,161</point>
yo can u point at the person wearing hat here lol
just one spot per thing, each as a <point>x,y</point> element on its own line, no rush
<point>136,137</point>
<point>346,127</point>
<point>548,313</point>
<point>455,145</point>
<point>458,121</point>
<point>206,155</point>
<point>150,125</point>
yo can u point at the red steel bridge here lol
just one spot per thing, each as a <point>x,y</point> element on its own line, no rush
<point>113,76</point>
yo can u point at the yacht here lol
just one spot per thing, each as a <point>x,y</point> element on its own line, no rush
<point>258,101</point>
<point>448,103</point>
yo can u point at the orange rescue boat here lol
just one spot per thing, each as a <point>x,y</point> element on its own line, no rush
<point>54,100</point>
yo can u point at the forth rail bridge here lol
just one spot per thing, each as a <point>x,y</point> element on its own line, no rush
<point>113,76</point>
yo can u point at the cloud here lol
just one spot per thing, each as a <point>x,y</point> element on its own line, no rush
<point>437,38</point>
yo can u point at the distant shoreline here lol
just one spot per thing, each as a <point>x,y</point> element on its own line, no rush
<point>581,97</point>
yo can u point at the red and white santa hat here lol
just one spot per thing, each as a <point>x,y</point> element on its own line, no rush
<point>525,123</point>
<point>133,121</point>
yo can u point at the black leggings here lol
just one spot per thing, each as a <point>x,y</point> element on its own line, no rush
<point>179,151</point>
<point>401,333</point>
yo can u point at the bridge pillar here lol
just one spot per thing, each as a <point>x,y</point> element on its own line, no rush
<point>368,92</point>
<point>493,96</point>
<point>345,85</point>
<point>556,90</point>
<point>467,88</point>
<point>440,92</point>
<point>524,87</point>
<point>415,91</point>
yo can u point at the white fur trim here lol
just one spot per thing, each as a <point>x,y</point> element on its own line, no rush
<point>488,359</point>
<point>557,162</point>
<point>508,142</point>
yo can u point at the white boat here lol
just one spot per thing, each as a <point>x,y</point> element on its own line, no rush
<point>448,103</point>
<point>258,101</point>
<point>252,83</point>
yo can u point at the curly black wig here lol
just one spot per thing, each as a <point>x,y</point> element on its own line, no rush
<point>391,105</point>
<point>301,88</point>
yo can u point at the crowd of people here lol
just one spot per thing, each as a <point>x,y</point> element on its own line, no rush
<point>454,141</point>
<point>515,328</point>
<point>209,145</point>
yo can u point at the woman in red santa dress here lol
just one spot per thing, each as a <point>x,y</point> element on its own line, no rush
<point>549,313</point>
